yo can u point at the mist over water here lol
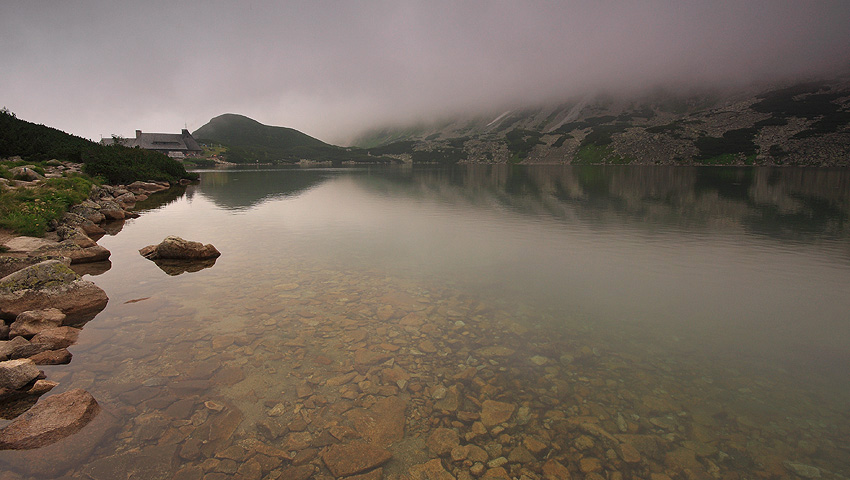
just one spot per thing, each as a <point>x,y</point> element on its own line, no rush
<point>334,70</point>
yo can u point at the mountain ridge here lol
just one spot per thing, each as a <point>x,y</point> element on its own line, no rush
<point>791,124</point>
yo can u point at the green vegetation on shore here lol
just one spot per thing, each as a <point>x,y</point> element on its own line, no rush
<point>520,142</point>
<point>114,164</point>
<point>121,165</point>
<point>30,208</point>
<point>28,211</point>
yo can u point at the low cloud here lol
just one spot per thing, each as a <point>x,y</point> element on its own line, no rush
<point>332,69</point>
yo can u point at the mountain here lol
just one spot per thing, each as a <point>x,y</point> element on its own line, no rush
<point>794,124</point>
<point>240,130</point>
<point>249,141</point>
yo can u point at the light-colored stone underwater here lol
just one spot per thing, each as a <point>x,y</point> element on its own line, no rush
<point>508,327</point>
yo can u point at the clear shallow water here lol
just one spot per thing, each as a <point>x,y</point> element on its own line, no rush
<point>699,314</point>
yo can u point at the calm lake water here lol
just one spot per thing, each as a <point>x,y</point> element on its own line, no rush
<point>687,322</point>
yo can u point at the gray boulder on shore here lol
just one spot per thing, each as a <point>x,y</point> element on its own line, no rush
<point>50,283</point>
<point>78,254</point>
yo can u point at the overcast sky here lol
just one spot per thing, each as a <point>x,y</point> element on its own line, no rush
<point>333,68</point>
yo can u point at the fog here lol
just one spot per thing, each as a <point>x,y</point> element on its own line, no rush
<point>333,69</point>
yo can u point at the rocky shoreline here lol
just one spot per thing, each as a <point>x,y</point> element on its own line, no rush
<point>44,304</point>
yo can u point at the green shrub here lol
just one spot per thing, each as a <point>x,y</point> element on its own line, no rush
<point>598,155</point>
<point>28,211</point>
<point>521,142</point>
<point>731,143</point>
<point>116,164</point>
<point>560,141</point>
<point>671,128</point>
<point>771,122</point>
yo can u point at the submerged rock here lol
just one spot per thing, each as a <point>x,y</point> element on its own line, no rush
<point>173,247</point>
<point>442,441</point>
<point>345,460</point>
<point>431,470</point>
<point>51,461</point>
<point>50,420</point>
<point>803,470</point>
<point>494,413</point>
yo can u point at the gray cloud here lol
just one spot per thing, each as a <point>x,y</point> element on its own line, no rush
<point>333,68</point>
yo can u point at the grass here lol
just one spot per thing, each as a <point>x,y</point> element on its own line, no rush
<point>213,150</point>
<point>28,211</point>
<point>596,154</point>
<point>199,162</point>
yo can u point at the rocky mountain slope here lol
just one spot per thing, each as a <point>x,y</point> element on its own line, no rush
<point>792,124</point>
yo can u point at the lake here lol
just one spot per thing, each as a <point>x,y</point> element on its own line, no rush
<point>612,322</point>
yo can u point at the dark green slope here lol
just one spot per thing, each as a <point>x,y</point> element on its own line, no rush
<point>115,164</point>
<point>239,130</point>
<point>250,141</point>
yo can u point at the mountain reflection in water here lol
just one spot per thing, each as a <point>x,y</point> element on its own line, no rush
<point>788,203</point>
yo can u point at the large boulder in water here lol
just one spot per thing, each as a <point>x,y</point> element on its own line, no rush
<point>50,420</point>
<point>50,284</point>
<point>179,249</point>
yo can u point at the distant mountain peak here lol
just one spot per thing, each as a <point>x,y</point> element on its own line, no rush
<point>249,141</point>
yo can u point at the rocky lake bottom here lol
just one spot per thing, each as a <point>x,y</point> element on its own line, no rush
<point>268,380</point>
